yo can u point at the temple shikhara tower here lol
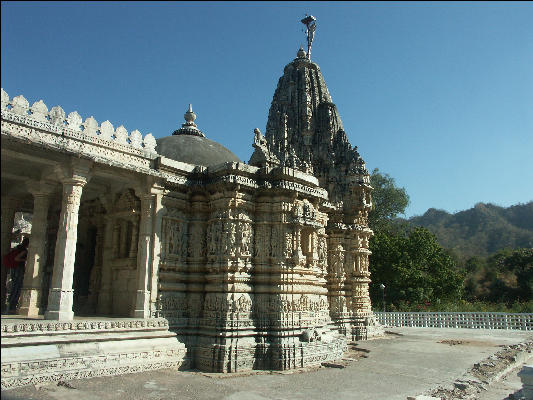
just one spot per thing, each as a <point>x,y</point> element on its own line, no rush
<point>175,253</point>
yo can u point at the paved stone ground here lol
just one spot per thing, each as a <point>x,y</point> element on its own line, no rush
<point>409,362</point>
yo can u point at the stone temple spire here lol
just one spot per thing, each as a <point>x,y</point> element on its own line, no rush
<point>304,130</point>
<point>189,127</point>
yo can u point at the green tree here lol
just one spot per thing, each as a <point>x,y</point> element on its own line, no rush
<point>414,268</point>
<point>388,200</point>
<point>520,262</point>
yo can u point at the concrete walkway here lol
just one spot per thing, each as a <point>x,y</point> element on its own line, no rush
<point>406,363</point>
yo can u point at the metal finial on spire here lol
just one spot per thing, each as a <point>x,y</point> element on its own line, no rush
<point>310,24</point>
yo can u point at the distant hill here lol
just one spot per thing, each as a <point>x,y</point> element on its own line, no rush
<point>481,230</point>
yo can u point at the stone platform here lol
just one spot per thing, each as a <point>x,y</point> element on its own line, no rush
<point>38,351</point>
<point>406,362</point>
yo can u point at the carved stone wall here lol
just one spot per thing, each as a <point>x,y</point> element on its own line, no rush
<point>243,277</point>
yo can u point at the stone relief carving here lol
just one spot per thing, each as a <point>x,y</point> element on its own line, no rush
<point>262,241</point>
<point>336,264</point>
<point>172,301</point>
<point>245,239</point>
<point>288,247</point>
<point>174,237</point>
<point>197,241</point>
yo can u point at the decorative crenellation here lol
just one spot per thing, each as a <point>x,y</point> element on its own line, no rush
<point>56,118</point>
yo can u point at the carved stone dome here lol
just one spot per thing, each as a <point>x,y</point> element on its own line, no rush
<point>188,144</point>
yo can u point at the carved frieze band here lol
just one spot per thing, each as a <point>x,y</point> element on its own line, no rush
<point>27,373</point>
<point>86,326</point>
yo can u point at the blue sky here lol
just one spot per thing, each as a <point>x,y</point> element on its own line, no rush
<point>438,95</point>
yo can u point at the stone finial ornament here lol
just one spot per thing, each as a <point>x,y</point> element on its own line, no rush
<point>121,135</point>
<point>90,126</point>
<point>189,127</point>
<point>20,105</point>
<point>5,99</point>
<point>190,116</point>
<point>149,143</point>
<point>57,115</point>
<point>106,130</point>
<point>74,121</point>
<point>39,111</point>
<point>136,139</point>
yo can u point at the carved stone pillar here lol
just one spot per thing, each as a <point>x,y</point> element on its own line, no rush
<point>106,283</point>
<point>32,287</point>
<point>96,271</point>
<point>116,238</point>
<point>123,252</point>
<point>147,248</point>
<point>9,207</point>
<point>60,298</point>
<point>336,280</point>
<point>156,246</point>
<point>134,236</point>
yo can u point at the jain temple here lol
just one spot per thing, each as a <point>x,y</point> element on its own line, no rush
<point>155,253</point>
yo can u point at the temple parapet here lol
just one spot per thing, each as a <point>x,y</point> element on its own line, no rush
<point>71,126</point>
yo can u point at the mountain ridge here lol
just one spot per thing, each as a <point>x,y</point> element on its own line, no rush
<point>481,230</point>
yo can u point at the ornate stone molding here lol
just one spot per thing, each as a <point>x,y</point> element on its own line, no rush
<point>153,360</point>
<point>47,327</point>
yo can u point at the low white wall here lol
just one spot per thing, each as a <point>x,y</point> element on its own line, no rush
<point>473,320</point>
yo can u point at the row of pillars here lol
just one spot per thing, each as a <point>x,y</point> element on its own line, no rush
<point>60,296</point>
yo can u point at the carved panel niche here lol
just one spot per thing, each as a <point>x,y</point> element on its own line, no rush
<point>174,236</point>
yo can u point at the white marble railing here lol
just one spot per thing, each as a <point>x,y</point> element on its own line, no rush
<point>55,119</point>
<point>472,320</point>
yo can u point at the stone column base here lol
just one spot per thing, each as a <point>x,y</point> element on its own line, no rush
<point>30,301</point>
<point>60,305</point>
<point>59,315</point>
<point>237,355</point>
<point>364,328</point>
<point>142,305</point>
